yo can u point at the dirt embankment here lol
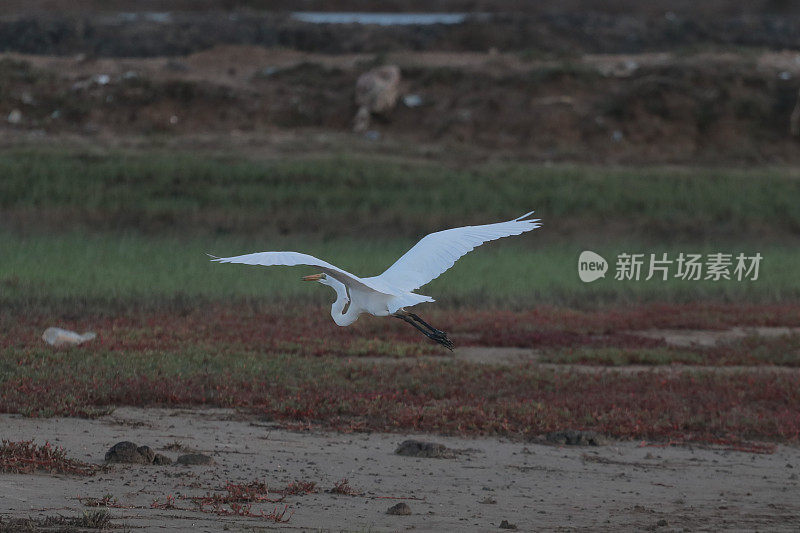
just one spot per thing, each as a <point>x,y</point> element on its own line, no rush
<point>665,82</point>
<point>623,108</point>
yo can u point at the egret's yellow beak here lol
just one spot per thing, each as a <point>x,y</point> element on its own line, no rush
<point>312,277</point>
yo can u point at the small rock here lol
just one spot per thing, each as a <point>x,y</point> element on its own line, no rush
<point>412,100</point>
<point>662,523</point>
<point>416,448</point>
<point>195,459</point>
<point>399,509</point>
<point>121,450</point>
<point>161,459</point>
<point>128,452</point>
<point>506,525</point>
<point>376,92</point>
<point>488,500</point>
<point>574,437</point>
<point>147,453</point>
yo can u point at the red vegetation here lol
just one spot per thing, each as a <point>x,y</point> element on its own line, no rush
<point>238,493</point>
<point>343,487</point>
<point>237,500</point>
<point>235,357</point>
<point>515,401</point>
<point>169,503</point>
<point>25,457</point>
<point>299,487</point>
<point>310,331</point>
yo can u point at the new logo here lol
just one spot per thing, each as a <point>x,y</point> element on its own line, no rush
<point>591,266</point>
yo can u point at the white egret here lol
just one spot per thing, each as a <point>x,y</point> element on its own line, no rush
<point>390,293</point>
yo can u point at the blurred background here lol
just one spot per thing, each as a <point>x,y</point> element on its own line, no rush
<point>138,135</point>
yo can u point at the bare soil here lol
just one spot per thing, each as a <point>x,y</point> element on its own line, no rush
<point>621,486</point>
<point>631,108</point>
<point>704,337</point>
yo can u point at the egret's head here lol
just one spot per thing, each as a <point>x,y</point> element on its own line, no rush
<point>322,278</point>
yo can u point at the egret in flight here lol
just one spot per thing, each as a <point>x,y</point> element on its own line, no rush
<point>390,293</point>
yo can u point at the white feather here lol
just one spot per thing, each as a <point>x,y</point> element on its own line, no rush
<point>297,258</point>
<point>437,252</point>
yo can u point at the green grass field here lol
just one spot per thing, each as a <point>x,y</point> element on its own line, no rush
<point>136,227</point>
<point>144,269</point>
<point>339,196</point>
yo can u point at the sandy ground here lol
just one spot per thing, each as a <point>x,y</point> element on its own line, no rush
<point>622,486</point>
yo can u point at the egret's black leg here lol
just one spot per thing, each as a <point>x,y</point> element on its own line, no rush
<point>435,331</point>
<point>434,334</point>
<point>418,319</point>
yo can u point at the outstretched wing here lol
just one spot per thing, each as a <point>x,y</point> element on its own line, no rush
<point>297,258</point>
<point>437,252</point>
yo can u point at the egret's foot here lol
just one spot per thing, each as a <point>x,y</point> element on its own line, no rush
<point>429,331</point>
<point>441,338</point>
<point>444,341</point>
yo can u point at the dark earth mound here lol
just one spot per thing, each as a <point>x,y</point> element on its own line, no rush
<point>416,448</point>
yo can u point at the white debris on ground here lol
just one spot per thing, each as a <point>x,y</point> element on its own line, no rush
<point>412,100</point>
<point>65,337</point>
<point>376,92</point>
<point>14,117</point>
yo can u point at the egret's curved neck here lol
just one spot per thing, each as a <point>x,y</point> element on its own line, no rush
<point>342,299</point>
